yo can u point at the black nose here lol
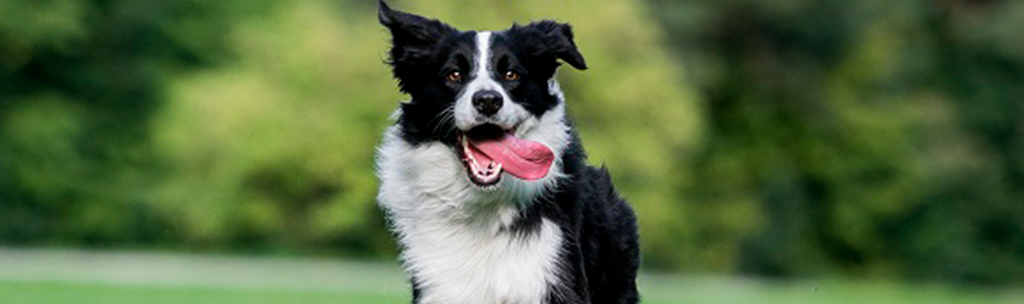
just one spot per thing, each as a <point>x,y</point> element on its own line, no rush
<point>487,102</point>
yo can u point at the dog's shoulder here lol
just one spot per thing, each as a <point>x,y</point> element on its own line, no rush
<point>609,237</point>
<point>597,191</point>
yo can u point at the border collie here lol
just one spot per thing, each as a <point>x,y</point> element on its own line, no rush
<point>485,182</point>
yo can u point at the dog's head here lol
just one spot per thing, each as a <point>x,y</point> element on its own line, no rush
<point>490,96</point>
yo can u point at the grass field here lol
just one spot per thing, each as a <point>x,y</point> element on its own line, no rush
<point>47,276</point>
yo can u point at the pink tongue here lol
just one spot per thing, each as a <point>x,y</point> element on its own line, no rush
<point>522,158</point>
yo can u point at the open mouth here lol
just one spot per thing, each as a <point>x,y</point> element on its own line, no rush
<point>488,150</point>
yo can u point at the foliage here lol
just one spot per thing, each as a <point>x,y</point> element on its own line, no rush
<point>79,82</point>
<point>859,137</point>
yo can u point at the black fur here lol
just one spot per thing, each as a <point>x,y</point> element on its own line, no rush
<point>417,46</point>
<point>532,51</point>
<point>600,248</point>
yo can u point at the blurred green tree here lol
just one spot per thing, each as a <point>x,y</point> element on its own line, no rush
<point>79,82</point>
<point>870,137</point>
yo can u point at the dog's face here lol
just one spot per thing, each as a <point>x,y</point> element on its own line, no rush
<point>490,96</point>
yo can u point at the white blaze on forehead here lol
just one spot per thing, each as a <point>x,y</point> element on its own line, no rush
<point>483,55</point>
<point>466,116</point>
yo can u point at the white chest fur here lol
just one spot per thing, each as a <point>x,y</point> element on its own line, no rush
<point>453,235</point>
<point>467,266</point>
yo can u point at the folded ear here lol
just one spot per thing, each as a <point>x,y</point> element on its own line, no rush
<point>412,35</point>
<point>556,40</point>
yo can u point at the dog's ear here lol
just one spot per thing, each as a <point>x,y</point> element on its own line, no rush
<point>412,36</point>
<point>555,39</point>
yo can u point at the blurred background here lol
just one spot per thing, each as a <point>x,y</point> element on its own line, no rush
<point>781,151</point>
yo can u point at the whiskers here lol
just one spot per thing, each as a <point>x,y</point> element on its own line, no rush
<point>445,122</point>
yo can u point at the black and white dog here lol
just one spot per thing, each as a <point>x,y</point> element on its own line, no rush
<point>484,180</point>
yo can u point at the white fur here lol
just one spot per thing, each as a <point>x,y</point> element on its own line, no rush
<point>452,232</point>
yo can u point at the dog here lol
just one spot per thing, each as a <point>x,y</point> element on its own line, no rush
<point>483,179</point>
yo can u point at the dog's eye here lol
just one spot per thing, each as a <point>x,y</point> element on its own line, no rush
<point>511,76</point>
<point>454,76</point>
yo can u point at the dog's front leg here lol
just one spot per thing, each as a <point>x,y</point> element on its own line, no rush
<point>576,290</point>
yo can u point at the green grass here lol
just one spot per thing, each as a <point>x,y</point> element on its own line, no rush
<point>657,292</point>
<point>57,277</point>
<point>708,290</point>
<point>89,293</point>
